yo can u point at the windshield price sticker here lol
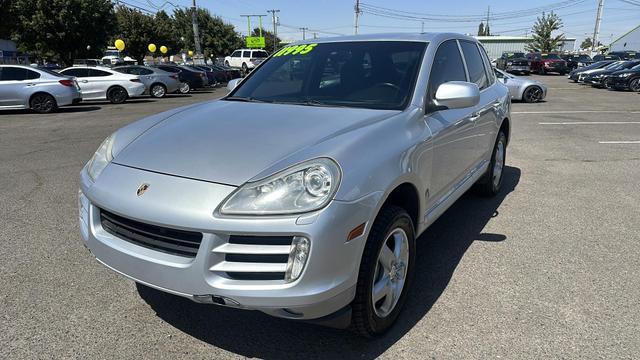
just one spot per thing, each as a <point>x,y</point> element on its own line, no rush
<point>296,50</point>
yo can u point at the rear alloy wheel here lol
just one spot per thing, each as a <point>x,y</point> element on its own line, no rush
<point>184,88</point>
<point>634,85</point>
<point>117,95</point>
<point>385,272</point>
<point>158,90</point>
<point>532,94</point>
<point>43,103</point>
<point>491,182</point>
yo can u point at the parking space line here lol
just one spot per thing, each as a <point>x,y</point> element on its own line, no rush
<point>579,112</point>
<point>620,142</point>
<point>590,123</point>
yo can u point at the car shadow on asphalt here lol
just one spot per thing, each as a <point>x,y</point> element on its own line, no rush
<point>254,334</point>
<point>61,110</point>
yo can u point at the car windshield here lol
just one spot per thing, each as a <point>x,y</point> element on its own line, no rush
<point>367,74</point>
<point>550,56</point>
<point>584,58</point>
<point>515,55</point>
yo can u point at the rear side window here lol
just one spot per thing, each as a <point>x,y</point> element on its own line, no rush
<point>144,71</point>
<point>169,69</point>
<point>11,73</point>
<point>32,74</point>
<point>259,54</point>
<point>447,66</point>
<point>98,73</point>
<point>126,71</point>
<point>77,72</point>
<point>475,66</point>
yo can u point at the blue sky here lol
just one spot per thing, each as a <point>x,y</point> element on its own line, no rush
<point>333,17</point>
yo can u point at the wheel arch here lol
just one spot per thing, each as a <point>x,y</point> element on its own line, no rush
<point>404,195</point>
<point>41,93</point>
<point>505,126</point>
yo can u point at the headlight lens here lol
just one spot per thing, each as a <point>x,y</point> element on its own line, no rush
<point>625,75</point>
<point>101,158</point>
<point>509,63</point>
<point>302,188</point>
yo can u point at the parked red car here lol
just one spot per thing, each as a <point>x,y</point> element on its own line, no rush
<point>543,63</point>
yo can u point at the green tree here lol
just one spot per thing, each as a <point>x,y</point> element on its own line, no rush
<point>217,38</point>
<point>7,19</point>
<point>137,30</point>
<point>269,39</point>
<point>481,29</point>
<point>62,29</point>
<point>165,33</point>
<point>543,33</point>
<point>586,43</point>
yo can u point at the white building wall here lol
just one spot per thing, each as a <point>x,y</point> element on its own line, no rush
<point>496,45</point>
<point>628,41</point>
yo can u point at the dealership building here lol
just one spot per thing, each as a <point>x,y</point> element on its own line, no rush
<point>496,45</point>
<point>628,41</point>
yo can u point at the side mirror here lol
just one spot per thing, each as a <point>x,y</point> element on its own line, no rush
<point>233,83</point>
<point>457,95</point>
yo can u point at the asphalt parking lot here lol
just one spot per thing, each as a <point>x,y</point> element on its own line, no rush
<point>548,269</point>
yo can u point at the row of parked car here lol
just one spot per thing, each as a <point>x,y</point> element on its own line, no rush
<point>544,63</point>
<point>44,90</point>
<point>611,74</point>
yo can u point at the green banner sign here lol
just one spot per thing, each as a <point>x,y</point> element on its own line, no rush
<point>255,42</point>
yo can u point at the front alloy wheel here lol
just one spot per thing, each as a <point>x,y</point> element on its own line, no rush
<point>385,272</point>
<point>634,85</point>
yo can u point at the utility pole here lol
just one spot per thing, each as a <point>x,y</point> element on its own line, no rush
<point>304,32</point>
<point>275,27</point>
<point>422,27</point>
<point>596,30</point>
<point>486,28</point>
<point>194,20</point>
<point>315,35</point>
<point>357,17</point>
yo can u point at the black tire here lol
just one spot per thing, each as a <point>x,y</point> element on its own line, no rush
<point>185,88</point>
<point>117,95</point>
<point>43,103</point>
<point>245,69</point>
<point>487,186</point>
<point>365,320</point>
<point>158,90</point>
<point>532,94</point>
<point>226,63</point>
<point>634,85</point>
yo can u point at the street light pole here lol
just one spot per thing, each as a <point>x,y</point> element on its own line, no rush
<point>194,20</point>
<point>304,32</point>
<point>275,27</point>
<point>596,30</point>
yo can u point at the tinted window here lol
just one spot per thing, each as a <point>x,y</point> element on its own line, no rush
<point>169,69</point>
<point>447,66</point>
<point>127,70</point>
<point>371,74</point>
<point>32,74</point>
<point>513,55</point>
<point>475,66</point>
<point>144,71</point>
<point>13,73</point>
<point>246,54</point>
<point>236,53</point>
<point>77,72</point>
<point>259,54</point>
<point>96,72</point>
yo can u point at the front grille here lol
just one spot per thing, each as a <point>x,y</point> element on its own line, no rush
<point>254,257</point>
<point>520,63</point>
<point>167,240</point>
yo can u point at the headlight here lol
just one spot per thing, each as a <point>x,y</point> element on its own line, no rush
<point>101,158</point>
<point>509,63</point>
<point>302,188</point>
<point>625,74</point>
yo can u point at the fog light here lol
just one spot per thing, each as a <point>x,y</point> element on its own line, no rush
<point>298,255</point>
<point>83,207</point>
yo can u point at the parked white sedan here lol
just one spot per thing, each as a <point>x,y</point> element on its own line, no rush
<point>100,83</point>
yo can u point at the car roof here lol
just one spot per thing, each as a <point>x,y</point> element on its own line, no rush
<point>419,37</point>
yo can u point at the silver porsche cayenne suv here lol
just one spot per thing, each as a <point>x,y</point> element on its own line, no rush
<point>301,193</point>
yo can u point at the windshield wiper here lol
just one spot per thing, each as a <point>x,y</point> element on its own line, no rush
<point>247,99</point>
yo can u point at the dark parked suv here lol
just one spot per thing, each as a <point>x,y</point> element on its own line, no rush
<point>543,63</point>
<point>626,55</point>
<point>513,62</point>
<point>575,61</point>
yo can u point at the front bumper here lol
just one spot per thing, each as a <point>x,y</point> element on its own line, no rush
<point>326,284</point>
<point>615,82</point>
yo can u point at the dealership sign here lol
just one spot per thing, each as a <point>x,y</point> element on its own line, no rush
<point>255,42</point>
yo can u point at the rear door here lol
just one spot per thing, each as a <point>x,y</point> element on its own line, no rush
<point>15,88</point>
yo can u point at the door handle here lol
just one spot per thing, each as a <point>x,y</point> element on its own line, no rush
<point>31,84</point>
<point>475,116</point>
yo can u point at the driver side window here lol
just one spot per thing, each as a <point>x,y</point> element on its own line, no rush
<point>447,66</point>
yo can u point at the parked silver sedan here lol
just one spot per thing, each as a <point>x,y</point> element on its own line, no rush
<point>158,82</point>
<point>41,90</point>
<point>523,89</point>
<point>301,197</point>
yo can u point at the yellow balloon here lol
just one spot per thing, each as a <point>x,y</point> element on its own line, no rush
<point>190,53</point>
<point>119,45</point>
<point>152,47</point>
<point>163,49</point>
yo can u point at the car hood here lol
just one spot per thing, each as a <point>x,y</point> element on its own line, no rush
<point>231,142</point>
